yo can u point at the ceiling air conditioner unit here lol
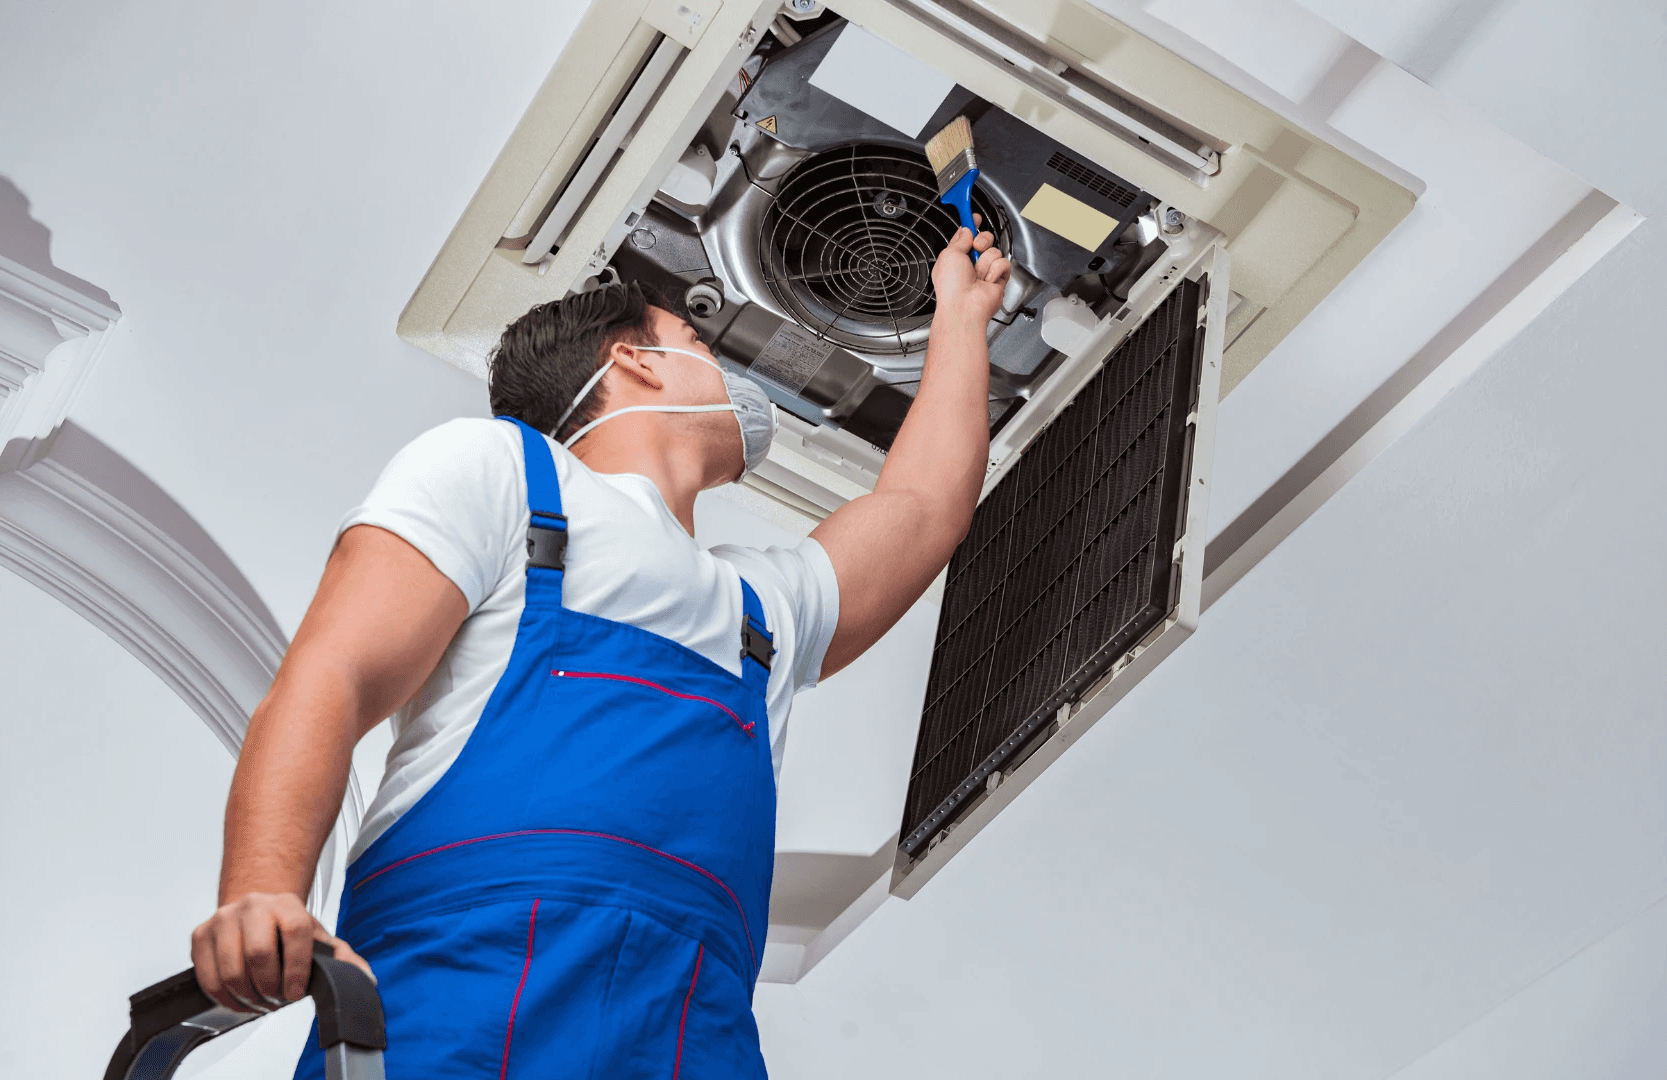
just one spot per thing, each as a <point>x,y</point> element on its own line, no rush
<point>764,165</point>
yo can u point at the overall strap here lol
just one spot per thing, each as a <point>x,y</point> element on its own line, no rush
<point>757,645</point>
<point>547,530</point>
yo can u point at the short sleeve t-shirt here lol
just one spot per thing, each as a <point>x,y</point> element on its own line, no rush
<point>458,494</point>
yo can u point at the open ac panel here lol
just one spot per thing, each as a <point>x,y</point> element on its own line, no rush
<point>731,155</point>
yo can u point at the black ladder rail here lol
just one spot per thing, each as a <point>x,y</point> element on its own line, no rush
<point>173,1017</point>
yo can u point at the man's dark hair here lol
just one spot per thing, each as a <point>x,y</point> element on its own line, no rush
<point>545,356</point>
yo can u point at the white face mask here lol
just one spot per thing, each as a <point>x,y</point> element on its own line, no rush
<point>754,413</point>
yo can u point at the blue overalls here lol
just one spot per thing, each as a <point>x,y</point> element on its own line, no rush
<point>584,893</point>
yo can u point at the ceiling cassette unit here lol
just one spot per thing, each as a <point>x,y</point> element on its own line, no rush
<point>761,166</point>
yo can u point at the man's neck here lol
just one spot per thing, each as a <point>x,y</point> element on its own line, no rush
<point>643,443</point>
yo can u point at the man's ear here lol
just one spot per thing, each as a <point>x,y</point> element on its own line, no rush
<point>637,364</point>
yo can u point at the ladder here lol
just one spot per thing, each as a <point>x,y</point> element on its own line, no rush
<point>174,1017</point>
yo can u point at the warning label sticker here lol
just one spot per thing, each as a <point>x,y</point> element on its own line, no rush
<point>792,356</point>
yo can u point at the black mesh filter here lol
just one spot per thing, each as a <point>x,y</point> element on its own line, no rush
<point>1068,564</point>
<point>848,245</point>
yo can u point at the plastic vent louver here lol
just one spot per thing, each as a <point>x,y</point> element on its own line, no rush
<point>1067,566</point>
<point>1092,180</point>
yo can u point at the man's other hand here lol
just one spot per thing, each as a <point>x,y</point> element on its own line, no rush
<point>237,956</point>
<point>968,291</point>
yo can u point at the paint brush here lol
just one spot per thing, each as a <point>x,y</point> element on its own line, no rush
<point>950,153</point>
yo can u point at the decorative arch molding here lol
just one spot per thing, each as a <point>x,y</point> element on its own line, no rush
<point>79,521</point>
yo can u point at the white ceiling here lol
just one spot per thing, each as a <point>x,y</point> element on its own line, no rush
<point>1397,809</point>
<point>1407,769</point>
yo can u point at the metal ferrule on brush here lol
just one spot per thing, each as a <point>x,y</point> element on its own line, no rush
<point>961,164</point>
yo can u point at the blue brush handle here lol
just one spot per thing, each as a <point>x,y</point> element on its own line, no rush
<point>960,197</point>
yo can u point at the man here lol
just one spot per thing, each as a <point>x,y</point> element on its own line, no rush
<point>566,869</point>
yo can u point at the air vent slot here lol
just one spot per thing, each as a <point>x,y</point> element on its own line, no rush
<point>1067,566</point>
<point>1094,181</point>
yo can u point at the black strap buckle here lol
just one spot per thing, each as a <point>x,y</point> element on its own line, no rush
<point>756,643</point>
<point>547,541</point>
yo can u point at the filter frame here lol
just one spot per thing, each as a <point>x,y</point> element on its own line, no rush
<point>996,683</point>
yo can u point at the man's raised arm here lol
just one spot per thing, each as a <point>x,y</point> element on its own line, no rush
<point>887,547</point>
<point>381,620</point>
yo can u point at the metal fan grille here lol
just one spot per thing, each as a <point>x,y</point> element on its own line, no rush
<point>1068,564</point>
<point>848,246</point>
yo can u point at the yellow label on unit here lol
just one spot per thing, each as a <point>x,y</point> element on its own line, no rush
<point>1073,219</point>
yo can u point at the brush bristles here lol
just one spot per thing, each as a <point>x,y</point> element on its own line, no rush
<point>950,152</point>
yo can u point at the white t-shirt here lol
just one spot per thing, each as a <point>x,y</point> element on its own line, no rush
<point>458,494</point>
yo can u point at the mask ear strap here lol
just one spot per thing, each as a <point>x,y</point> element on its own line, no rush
<point>579,398</point>
<point>681,352</point>
<point>590,384</point>
<point>582,432</point>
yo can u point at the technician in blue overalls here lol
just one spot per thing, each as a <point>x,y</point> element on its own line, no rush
<point>566,869</point>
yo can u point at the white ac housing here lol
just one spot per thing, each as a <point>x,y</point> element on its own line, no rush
<point>621,134</point>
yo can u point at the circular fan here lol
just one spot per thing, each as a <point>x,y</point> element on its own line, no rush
<point>848,245</point>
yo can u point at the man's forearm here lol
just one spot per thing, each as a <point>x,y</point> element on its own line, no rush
<point>288,787</point>
<point>942,449</point>
<point>887,546</point>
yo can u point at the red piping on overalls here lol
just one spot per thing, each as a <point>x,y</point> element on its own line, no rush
<point>532,924</point>
<point>745,927</point>
<point>677,1066</point>
<point>656,686</point>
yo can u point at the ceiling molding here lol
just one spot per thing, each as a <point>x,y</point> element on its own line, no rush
<point>216,645</point>
<point>74,310</point>
<point>50,340</point>
<point>37,315</point>
<point>80,522</point>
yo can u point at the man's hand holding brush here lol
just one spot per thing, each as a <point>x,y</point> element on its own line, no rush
<point>968,292</point>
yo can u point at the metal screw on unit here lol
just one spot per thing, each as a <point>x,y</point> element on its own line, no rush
<point>642,239</point>
<point>1173,220</point>
<point>889,204</point>
<point>804,7</point>
<point>703,300</point>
